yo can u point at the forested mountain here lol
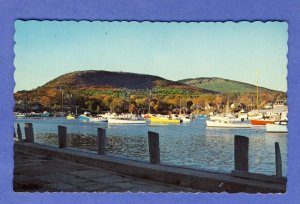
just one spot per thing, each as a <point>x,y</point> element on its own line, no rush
<point>97,90</point>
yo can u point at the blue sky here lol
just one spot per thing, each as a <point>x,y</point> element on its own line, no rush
<point>47,49</point>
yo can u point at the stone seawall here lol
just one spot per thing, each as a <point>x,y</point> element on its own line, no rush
<point>204,181</point>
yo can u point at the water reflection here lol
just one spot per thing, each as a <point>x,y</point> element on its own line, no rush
<point>192,145</point>
<point>124,146</point>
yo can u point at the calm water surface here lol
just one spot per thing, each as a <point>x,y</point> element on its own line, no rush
<point>190,145</point>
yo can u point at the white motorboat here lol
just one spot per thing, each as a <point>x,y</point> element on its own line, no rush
<point>19,115</point>
<point>125,121</point>
<point>181,118</point>
<point>226,124</point>
<point>87,117</point>
<point>277,127</point>
<point>97,119</point>
<point>225,118</point>
<point>185,119</point>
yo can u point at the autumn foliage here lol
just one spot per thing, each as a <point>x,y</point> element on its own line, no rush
<point>85,91</point>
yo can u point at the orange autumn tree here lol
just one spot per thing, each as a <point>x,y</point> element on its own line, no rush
<point>199,102</point>
<point>246,100</point>
<point>45,101</point>
<point>218,101</point>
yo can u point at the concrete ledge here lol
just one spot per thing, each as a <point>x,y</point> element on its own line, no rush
<point>261,177</point>
<point>197,179</point>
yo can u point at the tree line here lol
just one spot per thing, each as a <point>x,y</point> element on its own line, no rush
<point>137,102</point>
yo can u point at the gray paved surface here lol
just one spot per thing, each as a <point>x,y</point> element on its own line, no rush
<point>35,173</point>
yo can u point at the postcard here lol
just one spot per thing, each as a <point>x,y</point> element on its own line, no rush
<point>125,106</point>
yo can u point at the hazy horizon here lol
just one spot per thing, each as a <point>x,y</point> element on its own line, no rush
<point>174,51</point>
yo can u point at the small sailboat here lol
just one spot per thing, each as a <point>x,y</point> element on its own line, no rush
<point>258,119</point>
<point>227,116</point>
<point>70,117</point>
<point>45,114</point>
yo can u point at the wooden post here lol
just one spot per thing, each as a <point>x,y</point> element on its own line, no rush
<point>19,133</point>
<point>29,136</point>
<point>62,136</point>
<point>154,152</point>
<point>278,160</point>
<point>241,149</point>
<point>101,141</point>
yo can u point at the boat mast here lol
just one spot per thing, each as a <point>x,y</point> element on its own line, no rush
<point>227,106</point>
<point>257,90</point>
<point>149,103</point>
<point>71,103</point>
<point>77,97</point>
<point>180,106</point>
<point>62,99</point>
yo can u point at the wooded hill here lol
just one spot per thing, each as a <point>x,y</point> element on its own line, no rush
<point>98,91</point>
<point>105,82</point>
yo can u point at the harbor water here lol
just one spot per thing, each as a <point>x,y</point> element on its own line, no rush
<point>191,145</point>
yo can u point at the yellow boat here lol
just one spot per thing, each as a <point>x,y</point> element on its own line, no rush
<point>164,120</point>
<point>70,117</point>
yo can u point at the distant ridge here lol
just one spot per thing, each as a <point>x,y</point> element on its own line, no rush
<point>95,82</point>
<point>225,86</point>
<point>106,78</point>
<point>119,80</point>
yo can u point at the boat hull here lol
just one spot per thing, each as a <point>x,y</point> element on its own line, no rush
<point>221,118</point>
<point>91,119</point>
<point>70,117</point>
<point>202,116</point>
<point>20,115</point>
<point>223,124</point>
<point>186,120</point>
<point>261,121</point>
<point>125,121</point>
<point>84,118</point>
<point>97,120</point>
<point>276,128</point>
<point>164,120</point>
<point>147,116</point>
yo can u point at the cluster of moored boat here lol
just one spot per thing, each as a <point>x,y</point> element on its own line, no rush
<point>134,119</point>
<point>274,121</point>
<point>44,114</point>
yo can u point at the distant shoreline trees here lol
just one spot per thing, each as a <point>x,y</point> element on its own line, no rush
<point>136,101</point>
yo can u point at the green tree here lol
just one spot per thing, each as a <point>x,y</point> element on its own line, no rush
<point>98,109</point>
<point>118,105</point>
<point>132,108</point>
<point>141,102</point>
<point>107,102</point>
